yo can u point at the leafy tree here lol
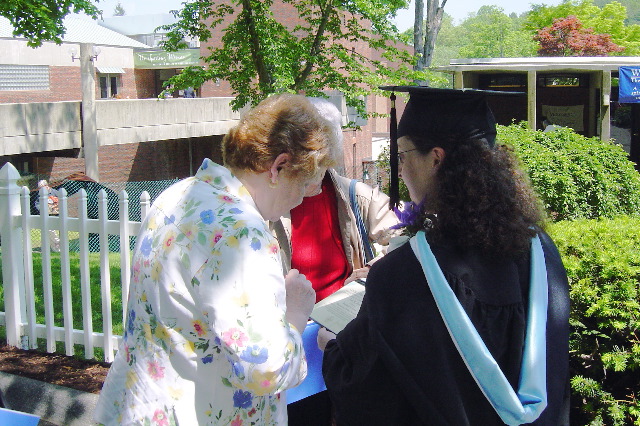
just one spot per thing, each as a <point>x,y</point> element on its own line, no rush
<point>632,6</point>
<point>542,15</point>
<point>450,40</point>
<point>119,10</point>
<point>490,33</point>
<point>326,48</point>
<point>606,20</point>
<point>43,21</point>
<point>567,37</point>
<point>611,21</point>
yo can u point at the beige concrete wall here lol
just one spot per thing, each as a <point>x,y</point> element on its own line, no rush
<point>41,127</point>
<point>141,120</point>
<point>38,127</point>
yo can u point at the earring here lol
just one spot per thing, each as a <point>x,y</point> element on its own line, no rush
<point>273,185</point>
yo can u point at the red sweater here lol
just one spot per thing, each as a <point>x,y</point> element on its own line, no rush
<point>316,242</point>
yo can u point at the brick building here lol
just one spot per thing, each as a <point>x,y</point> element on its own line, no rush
<point>154,66</point>
<point>51,73</point>
<point>135,69</point>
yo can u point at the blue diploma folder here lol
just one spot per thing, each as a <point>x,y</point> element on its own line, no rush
<point>314,382</point>
<point>17,418</point>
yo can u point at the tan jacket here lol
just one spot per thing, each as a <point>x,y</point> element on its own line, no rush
<point>374,209</point>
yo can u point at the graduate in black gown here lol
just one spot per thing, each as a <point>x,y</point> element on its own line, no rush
<point>486,342</point>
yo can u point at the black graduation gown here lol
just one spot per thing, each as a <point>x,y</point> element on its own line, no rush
<point>396,364</point>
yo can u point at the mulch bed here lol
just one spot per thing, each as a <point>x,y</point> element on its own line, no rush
<point>80,374</point>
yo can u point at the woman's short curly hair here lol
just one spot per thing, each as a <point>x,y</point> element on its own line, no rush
<point>284,123</point>
<point>485,201</point>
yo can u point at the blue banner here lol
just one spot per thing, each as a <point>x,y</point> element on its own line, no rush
<point>629,85</point>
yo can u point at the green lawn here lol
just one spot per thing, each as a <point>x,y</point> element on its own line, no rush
<point>96,296</point>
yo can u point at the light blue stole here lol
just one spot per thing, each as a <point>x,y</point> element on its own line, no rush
<point>531,398</point>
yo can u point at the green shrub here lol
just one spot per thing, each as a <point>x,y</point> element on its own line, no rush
<point>602,258</point>
<point>76,292</point>
<point>576,177</point>
<point>383,165</point>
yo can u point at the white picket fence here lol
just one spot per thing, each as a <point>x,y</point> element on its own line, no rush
<point>16,226</point>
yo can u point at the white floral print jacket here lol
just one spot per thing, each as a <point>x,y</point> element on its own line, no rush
<point>206,339</point>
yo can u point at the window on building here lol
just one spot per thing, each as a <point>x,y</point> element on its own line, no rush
<point>502,81</point>
<point>24,77</point>
<point>621,116</point>
<point>563,80</point>
<point>354,117</point>
<point>109,85</point>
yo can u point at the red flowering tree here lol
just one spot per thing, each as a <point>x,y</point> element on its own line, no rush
<point>567,37</point>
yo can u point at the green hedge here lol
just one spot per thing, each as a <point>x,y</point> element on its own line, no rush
<point>576,177</point>
<point>602,258</point>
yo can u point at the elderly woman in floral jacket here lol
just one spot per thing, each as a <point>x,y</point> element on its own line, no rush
<point>213,329</point>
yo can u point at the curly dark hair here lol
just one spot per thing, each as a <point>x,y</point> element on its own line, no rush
<point>484,200</point>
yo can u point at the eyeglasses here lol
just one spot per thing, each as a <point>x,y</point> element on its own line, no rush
<point>401,157</point>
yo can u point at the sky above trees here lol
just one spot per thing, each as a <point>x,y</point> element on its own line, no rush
<point>460,9</point>
<point>457,9</point>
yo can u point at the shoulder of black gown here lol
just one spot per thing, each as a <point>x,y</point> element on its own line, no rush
<point>558,388</point>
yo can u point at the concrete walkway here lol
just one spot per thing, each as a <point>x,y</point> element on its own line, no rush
<point>56,405</point>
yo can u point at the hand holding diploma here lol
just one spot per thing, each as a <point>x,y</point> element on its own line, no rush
<point>358,274</point>
<point>324,336</point>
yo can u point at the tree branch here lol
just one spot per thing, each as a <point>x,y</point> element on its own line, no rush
<point>317,44</point>
<point>257,55</point>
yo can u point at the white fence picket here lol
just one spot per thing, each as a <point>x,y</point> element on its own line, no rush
<point>125,258</point>
<point>28,271</point>
<point>65,272</point>
<point>105,278</point>
<point>85,284</point>
<point>47,279</point>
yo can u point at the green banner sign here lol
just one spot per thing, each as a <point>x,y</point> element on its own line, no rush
<point>162,59</point>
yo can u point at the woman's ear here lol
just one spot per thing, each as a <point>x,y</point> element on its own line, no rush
<point>438,156</point>
<point>278,164</point>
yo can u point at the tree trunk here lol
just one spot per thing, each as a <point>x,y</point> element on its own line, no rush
<point>265,79</point>
<point>418,34</point>
<point>425,32</point>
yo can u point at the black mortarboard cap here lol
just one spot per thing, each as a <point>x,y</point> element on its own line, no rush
<point>439,114</point>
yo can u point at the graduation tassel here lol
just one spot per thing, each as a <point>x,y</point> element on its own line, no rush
<point>394,193</point>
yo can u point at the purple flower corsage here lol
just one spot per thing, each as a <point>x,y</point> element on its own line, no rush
<point>412,218</point>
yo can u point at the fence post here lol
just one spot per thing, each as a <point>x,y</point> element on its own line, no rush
<point>12,259</point>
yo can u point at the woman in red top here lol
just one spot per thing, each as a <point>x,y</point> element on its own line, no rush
<point>321,240</point>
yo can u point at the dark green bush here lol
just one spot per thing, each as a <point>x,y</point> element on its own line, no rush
<point>576,177</point>
<point>602,258</point>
